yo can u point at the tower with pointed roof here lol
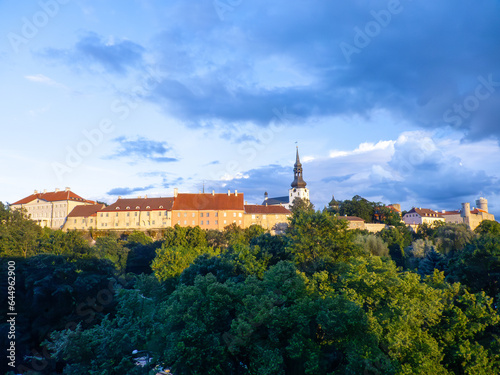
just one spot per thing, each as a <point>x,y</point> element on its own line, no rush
<point>298,189</point>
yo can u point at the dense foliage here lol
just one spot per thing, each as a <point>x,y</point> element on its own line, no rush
<point>320,299</point>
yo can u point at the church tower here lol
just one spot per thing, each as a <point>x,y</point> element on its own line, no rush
<point>298,189</point>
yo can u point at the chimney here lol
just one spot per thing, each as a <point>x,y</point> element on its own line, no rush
<point>139,197</point>
<point>146,196</point>
<point>119,197</point>
<point>236,193</point>
<point>213,192</point>
<point>36,192</point>
<point>56,190</point>
<point>265,196</point>
<point>246,203</point>
<point>44,191</point>
<point>67,189</point>
<point>228,192</point>
<point>176,192</point>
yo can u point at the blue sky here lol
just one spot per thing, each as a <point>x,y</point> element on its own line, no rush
<point>396,101</point>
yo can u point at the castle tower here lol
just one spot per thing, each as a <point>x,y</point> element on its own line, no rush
<point>482,204</point>
<point>465,211</point>
<point>298,189</point>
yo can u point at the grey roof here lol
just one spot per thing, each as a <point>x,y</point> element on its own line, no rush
<point>276,200</point>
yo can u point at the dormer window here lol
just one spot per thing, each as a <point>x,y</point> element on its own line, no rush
<point>117,208</point>
<point>147,207</point>
<point>128,207</point>
<point>161,206</point>
<point>137,208</point>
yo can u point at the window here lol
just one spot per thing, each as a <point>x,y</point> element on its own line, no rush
<point>117,214</point>
<point>128,207</point>
<point>128,224</point>
<point>208,214</point>
<point>234,214</point>
<point>264,217</point>
<point>153,222</point>
<point>159,213</point>
<point>216,222</point>
<point>225,222</point>
<point>136,214</point>
<point>179,222</point>
<point>138,223</point>
<point>107,215</point>
<point>178,214</point>
<point>239,214</point>
<point>201,214</point>
<point>216,214</point>
<point>128,213</point>
<point>102,214</point>
<point>91,220</point>
<point>75,221</point>
<point>202,222</point>
<point>240,222</point>
<point>161,207</point>
<point>185,222</point>
<point>192,223</point>
<point>147,213</point>
<point>185,214</point>
<point>208,222</point>
<point>253,216</point>
<point>224,214</point>
<point>116,224</point>
<point>193,215</point>
<point>83,221</point>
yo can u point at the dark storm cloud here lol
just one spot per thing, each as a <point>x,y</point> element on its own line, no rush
<point>419,60</point>
<point>274,179</point>
<point>115,58</point>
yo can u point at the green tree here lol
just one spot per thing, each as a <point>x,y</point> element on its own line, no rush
<point>300,204</point>
<point>488,227</point>
<point>452,237</point>
<point>110,247</point>
<point>372,243</point>
<point>171,261</point>
<point>318,240</point>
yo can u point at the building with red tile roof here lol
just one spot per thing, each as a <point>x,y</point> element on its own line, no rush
<point>83,217</point>
<point>50,209</point>
<point>419,216</point>
<point>272,218</point>
<point>136,214</point>
<point>208,210</point>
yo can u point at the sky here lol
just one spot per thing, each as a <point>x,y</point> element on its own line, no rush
<point>397,101</point>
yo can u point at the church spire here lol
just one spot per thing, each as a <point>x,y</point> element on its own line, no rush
<point>298,181</point>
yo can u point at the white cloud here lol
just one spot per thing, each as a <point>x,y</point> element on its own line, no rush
<point>40,78</point>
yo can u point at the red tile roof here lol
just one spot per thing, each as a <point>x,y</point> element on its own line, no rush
<point>54,196</point>
<point>450,213</point>
<point>213,202</point>
<point>259,209</point>
<point>86,210</point>
<point>425,212</point>
<point>140,204</point>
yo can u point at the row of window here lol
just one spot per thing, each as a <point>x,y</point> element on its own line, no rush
<point>135,213</point>
<point>137,224</point>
